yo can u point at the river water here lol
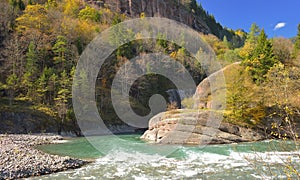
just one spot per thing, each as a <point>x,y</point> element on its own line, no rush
<point>127,157</point>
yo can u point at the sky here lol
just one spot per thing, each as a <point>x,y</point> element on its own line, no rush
<point>279,18</point>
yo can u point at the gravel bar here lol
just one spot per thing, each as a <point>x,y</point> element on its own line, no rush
<point>19,158</point>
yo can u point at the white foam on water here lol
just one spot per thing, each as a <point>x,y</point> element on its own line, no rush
<point>274,157</point>
<point>60,141</point>
<point>129,157</point>
<point>121,172</point>
<point>140,166</point>
<point>91,177</point>
<point>190,173</point>
<point>120,164</point>
<point>140,177</point>
<point>257,176</point>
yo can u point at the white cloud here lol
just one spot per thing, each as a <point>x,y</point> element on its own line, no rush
<point>279,25</point>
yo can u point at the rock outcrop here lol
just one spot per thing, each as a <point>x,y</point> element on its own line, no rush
<point>204,123</point>
<point>203,95</point>
<point>156,8</point>
<point>196,127</point>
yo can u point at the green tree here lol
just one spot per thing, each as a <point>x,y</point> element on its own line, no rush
<point>225,42</point>
<point>52,87</point>
<point>31,70</point>
<point>161,43</point>
<point>297,43</point>
<point>62,99</point>
<point>21,5</point>
<point>193,5</point>
<point>42,89</point>
<point>244,102</point>
<point>253,34</point>
<point>251,41</point>
<point>12,84</point>
<point>261,59</point>
<point>31,59</point>
<point>60,50</point>
<point>89,13</point>
<point>237,102</point>
<point>120,37</point>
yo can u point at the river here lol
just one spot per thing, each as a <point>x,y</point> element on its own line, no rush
<point>127,157</point>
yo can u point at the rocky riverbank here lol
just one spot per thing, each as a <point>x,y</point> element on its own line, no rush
<point>19,158</point>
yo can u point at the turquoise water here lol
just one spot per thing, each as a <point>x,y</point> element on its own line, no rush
<point>127,157</point>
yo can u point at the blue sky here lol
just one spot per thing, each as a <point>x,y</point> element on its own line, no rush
<point>266,14</point>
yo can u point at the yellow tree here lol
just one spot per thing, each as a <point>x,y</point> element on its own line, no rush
<point>89,13</point>
<point>251,41</point>
<point>282,90</point>
<point>72,7</point>
<point>34,17</point>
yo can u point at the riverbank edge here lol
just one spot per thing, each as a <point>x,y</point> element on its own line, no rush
<point>20,159</point>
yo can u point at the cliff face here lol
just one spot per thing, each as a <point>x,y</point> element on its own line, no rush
<point>172,9</point>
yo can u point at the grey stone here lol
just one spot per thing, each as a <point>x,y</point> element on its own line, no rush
<point>186,129</point>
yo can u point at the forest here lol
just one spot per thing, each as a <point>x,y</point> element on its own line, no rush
<point>41,43</point>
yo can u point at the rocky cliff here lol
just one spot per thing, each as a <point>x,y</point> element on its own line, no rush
<point>172,9</point>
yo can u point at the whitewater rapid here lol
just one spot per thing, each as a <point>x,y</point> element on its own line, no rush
<point>192,164</point>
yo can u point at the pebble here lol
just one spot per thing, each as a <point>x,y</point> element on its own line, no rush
<point>19,158</point>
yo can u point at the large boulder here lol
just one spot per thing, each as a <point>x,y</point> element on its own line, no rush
<point>196,127</point>
<point>207,91</point>
<point>204,123</point>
